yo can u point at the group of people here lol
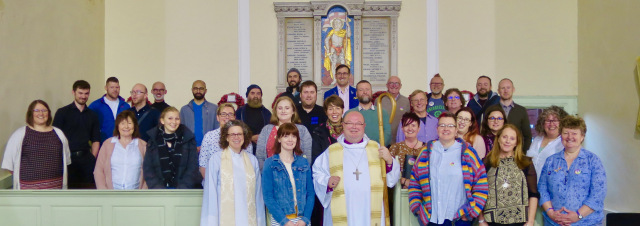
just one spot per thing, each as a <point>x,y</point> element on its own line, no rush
<point>302,163</point>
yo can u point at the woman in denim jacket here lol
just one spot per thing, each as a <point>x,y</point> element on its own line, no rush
<point>287,171</point>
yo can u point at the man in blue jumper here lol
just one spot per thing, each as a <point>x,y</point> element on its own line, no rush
<point>199,115</point>
<point>483,98</point>
<point>108,107</point>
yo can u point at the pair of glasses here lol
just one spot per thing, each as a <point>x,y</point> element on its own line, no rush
<point>235,134</point>
<point>454,97</point>
<point>198,89</point>
<point>158,90</point>
<point>226,114</point>
<point>551,121</point>
<point>450,126</point>
<point>137,92</point>
<point>465,120</point>
<point>40,110</point>
<point>353,124</point>
<point>496,119</point>
<point>342,73</point>
<point>393,83</point>
<point>419,101</point>
<point>436,84</point>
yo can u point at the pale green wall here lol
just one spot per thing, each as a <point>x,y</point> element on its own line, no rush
<point>44,47</point>
<point>609,42</point>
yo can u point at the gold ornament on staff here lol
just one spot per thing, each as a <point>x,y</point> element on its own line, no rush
<point>381,130</point>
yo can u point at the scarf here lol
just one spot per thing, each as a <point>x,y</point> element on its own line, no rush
<point>169,157</point>
<point>227,203</point>
<point>338,199</point>
<point>335,130</point>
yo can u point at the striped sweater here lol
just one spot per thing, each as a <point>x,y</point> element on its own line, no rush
<point>475,184</point>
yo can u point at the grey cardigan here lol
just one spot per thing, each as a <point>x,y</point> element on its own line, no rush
<point>261,146</point>
<point>209,122</point>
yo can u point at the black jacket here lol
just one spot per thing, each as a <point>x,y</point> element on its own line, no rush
<point>188,175</point>
<point>321,139</point>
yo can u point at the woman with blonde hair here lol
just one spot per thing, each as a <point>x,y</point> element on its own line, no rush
<point>284,111</point>
<point>513,192</point>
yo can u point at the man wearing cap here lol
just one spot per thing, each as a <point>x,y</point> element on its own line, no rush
<point>294,78</point>
<point>254,114</point>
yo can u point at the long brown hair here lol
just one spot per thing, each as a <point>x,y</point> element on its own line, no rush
<point>473,127</point>
<point>33,106</point>
<point>287,129</point>
<point>493,158</point>
<point>274,116</point>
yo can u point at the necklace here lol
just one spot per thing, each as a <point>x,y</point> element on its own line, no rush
<point>357,173</point>
<point>414,145</point>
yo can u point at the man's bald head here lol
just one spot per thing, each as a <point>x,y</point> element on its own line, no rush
<point>199,89</point>
<point>139,95</point>
<point>394,85</point>
<point>158,90</point>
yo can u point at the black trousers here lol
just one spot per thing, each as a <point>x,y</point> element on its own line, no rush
<point>80,172</point>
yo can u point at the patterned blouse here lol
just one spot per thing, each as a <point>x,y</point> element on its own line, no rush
<point>584,183</point>
<point>509,191</point>
<point>401,149</point>
<point>41,164</point>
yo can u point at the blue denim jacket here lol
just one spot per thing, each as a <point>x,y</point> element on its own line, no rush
<point>277,189</point>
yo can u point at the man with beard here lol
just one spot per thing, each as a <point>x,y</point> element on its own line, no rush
<point>147,117</point>
<point>309,112</point>
<point>108,107</point>
<point>483,98</point>
<point>516,114</point>
<point>402,104</point>
<point>254,114</point>
<point>293,90</point>
<point>342,89</point>
<point>368,111</point>
<point>435,107</point>
<point>199,115</point>
<point>82,129</point>
<point>159,90</point>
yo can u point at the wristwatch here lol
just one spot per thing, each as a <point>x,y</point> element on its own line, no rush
<point>579,215</point>
<point>480,221</point>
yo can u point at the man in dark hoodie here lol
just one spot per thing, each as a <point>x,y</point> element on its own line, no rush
<point>294,78</point>
<point>483,98</point>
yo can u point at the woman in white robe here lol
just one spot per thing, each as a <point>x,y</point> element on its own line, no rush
<point>236,174</point>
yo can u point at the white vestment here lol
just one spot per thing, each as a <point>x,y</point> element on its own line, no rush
<point>211,198</point>
<point>357,192</point>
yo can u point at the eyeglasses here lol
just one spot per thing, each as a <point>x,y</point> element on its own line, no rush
<point>137,92</point>
<point>342,73</point>
<point>235,134</point>
<point>465,120</point>
<point>551,121</point>
<point>450,126</point>
<point>454,97</point>
<point>226,114</point>
<point>40,110</point>
<point>422,101</point>
<point>496,119</point>
<point>436,83</point>
<point>158,90</point>
<point>393,83</point>
<point>198,88</point>
<point>353,124</point>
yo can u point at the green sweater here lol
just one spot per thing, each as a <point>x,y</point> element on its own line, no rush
<point>371,121</point>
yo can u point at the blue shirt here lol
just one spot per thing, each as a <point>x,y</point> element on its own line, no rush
<point>197,115</point>
<point>584,183</point>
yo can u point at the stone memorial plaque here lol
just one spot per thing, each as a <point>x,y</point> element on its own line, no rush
<point>299,46</point>
<point>375,50</point>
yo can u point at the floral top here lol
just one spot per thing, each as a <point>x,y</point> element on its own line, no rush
<point>401,149</point>
<point>584,183</point>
